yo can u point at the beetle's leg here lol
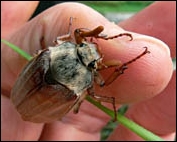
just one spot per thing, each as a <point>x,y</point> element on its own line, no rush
<point>121,67</point>
<point>98,79</point>
<point>79,102</point>
<point>77,106</point>
<point>101,66</point>
<point>116,36</point>
<point>108,64</point>
<point>67,36</point>
<point>103,99</point>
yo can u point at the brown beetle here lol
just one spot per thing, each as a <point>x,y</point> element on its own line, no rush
<point>58,78</point>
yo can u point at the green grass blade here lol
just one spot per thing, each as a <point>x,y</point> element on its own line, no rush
<point>17,49</point>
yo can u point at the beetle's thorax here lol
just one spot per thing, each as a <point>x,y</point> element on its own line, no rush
<point>67,69</point>
<point>88,54</point>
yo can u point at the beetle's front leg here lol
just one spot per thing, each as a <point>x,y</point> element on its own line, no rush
<point>117,72</point>
<point>66,37</point>
<point>119,67</point>
<point>102,66</point>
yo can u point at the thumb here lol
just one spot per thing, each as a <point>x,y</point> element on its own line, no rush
<point>145,72</point>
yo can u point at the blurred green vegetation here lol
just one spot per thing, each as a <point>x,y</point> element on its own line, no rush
<point>110,126</point>
<point>117,6</point>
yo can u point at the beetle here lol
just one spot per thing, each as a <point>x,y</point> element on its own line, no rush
<point>59,78</point>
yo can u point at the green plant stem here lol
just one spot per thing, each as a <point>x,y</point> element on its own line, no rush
<point>139,130</point>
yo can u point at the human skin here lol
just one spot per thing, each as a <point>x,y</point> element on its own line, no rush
<point>154,70</point>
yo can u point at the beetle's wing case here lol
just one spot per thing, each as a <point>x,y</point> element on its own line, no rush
<point>36,100</point>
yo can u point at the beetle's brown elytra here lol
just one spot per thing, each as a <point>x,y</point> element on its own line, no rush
<point>58,78</point>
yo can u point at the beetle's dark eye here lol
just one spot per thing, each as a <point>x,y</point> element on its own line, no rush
<point>82,44</point>
<point>92,64</point>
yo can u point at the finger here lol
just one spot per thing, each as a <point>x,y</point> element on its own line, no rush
<point>18,13</point>
<point>120,50</point>
<point>159,113</point>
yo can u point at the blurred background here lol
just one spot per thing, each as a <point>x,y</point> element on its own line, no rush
<point>115,11</point>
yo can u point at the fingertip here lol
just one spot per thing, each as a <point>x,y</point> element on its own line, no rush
<point>144,78</point>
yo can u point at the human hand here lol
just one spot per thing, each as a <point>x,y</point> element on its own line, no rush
<point>154,72</point>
